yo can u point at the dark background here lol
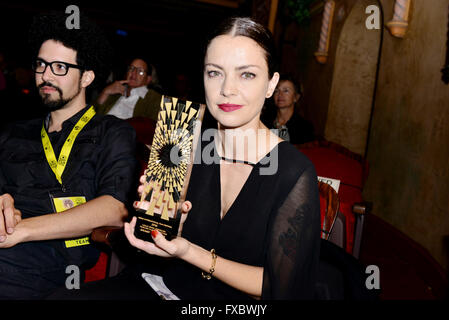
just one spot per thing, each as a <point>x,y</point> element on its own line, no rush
<point>171,33</point>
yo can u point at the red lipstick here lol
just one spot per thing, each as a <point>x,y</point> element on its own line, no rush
<point>227,107</point>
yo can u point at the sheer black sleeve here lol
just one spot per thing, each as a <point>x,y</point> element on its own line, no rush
<point>294,245</point>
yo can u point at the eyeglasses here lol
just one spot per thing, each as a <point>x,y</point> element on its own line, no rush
<point>140,71</point>
<point>58,68</point>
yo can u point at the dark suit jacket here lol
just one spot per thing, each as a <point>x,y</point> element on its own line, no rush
<point>147,107</point>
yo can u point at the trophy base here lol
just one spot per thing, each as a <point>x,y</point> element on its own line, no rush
<point>146,223</point>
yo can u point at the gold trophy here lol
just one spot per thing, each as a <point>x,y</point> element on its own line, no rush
<point>169,166</point>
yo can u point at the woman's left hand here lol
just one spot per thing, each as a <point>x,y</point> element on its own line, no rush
<point>177,247</point>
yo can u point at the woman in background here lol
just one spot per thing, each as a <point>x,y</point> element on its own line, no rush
<point>285,118</point>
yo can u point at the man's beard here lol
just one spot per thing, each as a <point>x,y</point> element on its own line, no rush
<point>53,105</point>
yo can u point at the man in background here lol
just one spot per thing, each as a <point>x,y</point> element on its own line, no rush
<point>131,97</point>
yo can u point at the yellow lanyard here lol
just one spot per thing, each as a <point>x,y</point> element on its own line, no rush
<point>58,166</point>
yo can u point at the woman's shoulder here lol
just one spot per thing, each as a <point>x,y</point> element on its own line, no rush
<point>286,168</point>
<point>291,161</point>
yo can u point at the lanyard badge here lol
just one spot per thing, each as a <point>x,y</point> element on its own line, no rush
<point>65,202</point>
<point>58,166</point>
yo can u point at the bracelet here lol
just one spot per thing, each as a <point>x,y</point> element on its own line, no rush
<point>208,275</point>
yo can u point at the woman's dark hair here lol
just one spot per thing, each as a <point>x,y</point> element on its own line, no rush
<point>93,51</point>
<point>247,27</point>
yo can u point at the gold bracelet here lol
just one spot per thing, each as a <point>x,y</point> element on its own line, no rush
<point>208,275</point>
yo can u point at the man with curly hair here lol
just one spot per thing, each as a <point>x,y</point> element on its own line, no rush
<point>70,156</point>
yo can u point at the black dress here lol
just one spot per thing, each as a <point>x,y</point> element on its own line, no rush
<point>273,223</point>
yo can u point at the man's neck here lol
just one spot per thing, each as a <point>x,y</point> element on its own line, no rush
<point>57,117</point>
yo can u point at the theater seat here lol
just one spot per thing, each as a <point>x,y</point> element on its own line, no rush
<point>329,204</point>
<point>334,161</point>
<point>99,270</point>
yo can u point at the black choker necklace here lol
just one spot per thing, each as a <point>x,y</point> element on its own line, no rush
<point>238,161</point>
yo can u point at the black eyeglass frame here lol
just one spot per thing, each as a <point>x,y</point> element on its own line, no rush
<point>69,65</point>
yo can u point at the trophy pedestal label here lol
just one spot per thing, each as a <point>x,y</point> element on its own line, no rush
<point>146,223</point>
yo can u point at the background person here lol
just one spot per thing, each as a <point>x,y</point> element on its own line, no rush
<point>131,97</point>
<point>285,117</point>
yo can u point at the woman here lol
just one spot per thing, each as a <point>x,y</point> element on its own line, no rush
<point>253,224</point>
<point>290,125</point>
<point>263,228</point>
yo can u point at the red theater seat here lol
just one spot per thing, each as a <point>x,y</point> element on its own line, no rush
<point>98,272</point>
<point>334,161</point>
<point>329,204</point>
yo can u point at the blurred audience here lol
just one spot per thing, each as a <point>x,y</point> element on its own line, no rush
<point>18,94</point>
<point>154,83</point>
<point>182,86</point>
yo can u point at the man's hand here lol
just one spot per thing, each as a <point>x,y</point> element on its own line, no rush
<point>116,87</point>
<point>12,239</point>
<point>9,216</point>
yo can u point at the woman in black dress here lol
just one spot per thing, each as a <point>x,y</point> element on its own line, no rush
<point>253,225</point>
